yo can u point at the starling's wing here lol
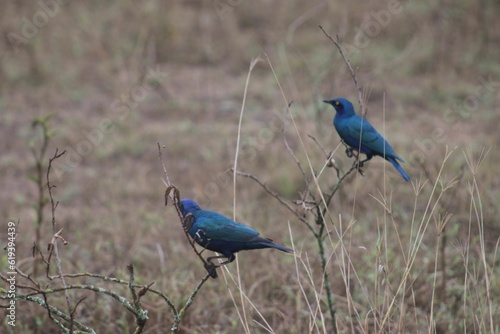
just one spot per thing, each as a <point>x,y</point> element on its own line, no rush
<point>219,227</point>
<point>372,143</point>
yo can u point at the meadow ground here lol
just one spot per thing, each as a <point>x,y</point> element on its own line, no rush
<point>118,77</point>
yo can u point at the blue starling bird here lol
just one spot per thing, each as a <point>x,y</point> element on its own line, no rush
<point>217,233</point>
<point>353,128</point>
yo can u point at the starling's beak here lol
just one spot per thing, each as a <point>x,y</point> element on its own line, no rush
<point>327,101</point>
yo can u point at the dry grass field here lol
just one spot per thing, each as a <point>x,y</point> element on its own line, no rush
<point>119,77</point>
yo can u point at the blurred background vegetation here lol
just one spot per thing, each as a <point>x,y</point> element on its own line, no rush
<point>120,76</point>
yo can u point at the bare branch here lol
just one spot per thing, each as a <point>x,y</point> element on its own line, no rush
<point>48,308</point>
<point>319,145</point>
<point>274,194</point>
<point>329,156</point>
<point>141,315</point>
<point>49,186</point>
<point>72,314</point>
<point>292,154</point>
<point>53,244</point>
<point>160,155</point>
<point>348,62</point>
<point>178,318</point>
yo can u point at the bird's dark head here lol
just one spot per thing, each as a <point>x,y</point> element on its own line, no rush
<point>342,106</point>
<point>188,206</point>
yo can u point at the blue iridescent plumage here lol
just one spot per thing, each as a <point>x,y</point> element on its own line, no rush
<point>361,136</point>
<point>217,233</point>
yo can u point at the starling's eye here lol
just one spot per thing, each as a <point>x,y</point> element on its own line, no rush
<point>336,103</point>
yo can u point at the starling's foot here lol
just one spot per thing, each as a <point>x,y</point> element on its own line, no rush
<point>211,258</point>
<point>211,268</point>
<point>349,152</point>
<point>358,165</point>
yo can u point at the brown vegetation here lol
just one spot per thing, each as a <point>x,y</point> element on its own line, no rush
<point>119,77</point>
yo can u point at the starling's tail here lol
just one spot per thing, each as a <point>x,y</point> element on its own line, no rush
<point>281,248</point>
<point>260,242</point>
<point>399,168</point>
<point>268,243</point>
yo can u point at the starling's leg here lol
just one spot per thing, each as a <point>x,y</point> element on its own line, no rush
<point>362,162</point>
<point>229,260</point>
<point>211,267</point>
<point>359,164</point>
